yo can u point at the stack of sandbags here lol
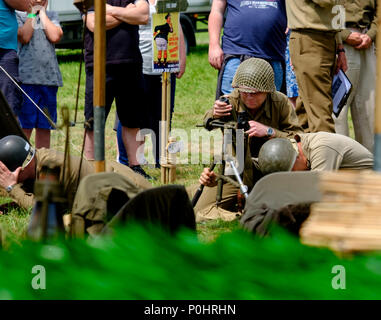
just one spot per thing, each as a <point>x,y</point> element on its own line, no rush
<point>348,218</point>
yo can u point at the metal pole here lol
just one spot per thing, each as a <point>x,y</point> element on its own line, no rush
<point>99,84</point>
<point>164,128</point>
<point>377,112</point>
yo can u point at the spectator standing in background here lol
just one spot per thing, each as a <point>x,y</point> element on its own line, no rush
<point>314,43</point>
<point>358,38</point>
<point>8,50</point>
<point>153,86</point>
<point>39,72</point>
<point>252,29</point>
<point>124,77</point>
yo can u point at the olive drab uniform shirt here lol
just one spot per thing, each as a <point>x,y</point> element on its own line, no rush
<point>22,193</point>
<point>360,14</point>
<point>326,151</point>
<point>277,113</point>
<point>319,15</point>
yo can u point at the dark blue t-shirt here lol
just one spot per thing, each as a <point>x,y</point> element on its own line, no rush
<point>256,28</point>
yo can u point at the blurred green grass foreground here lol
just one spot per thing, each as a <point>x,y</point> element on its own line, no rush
<point>145,263</point>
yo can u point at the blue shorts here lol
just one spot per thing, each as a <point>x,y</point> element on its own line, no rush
<point>46,98</point>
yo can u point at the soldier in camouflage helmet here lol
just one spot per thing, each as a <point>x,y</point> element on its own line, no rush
<point>254,75</point>
<point>270,115</point>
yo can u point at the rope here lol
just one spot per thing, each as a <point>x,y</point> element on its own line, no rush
<point>59,130</point>
<point>31,100</point>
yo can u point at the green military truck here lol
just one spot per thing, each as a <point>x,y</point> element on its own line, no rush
<point>197,11</point>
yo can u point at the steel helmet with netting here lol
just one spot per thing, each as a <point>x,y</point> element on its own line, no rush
<point>254,75</point>
<point>277,154</point>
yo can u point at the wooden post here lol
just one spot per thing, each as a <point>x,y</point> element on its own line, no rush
<point>164,130</point>
<point>99,84</point>
<point>377,111</point>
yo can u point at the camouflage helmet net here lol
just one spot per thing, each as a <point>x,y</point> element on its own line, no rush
<point>254,75</point>
<point>277,154</point>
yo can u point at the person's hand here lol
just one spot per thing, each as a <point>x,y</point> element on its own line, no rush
<point>208,178</point>
<point>182,70</point>
<point>366,42</point>
<point>354,39</point>
<point>257,129</point>
<point>221,109</point>
<point>341,62</point>
<point>216,57</point>
<point>8,178</point>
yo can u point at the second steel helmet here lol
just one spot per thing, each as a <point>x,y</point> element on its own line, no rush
<point>15,152</point>
<point>254,75</point>
<point>277,154</point>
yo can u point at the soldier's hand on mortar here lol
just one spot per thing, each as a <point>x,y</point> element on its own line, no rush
<point>257,129</point>
<point>208,178</point>
<point>221,109</point>
<point>8,178</point>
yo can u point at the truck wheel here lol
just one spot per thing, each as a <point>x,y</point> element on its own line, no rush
<point>189,34</point>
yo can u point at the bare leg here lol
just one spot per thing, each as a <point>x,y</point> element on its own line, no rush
<point>131,144</point>
<point>42,138</point>
<point>28,132</point>
<point>89,145</point>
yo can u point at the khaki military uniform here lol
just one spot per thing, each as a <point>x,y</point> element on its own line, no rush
<point>313,43</point>
<point>328,151</point>
<point>361,17</point>
<point>98,199</point>
<point>22,193</point>
<point>276,112</point>
<point>276,191</point>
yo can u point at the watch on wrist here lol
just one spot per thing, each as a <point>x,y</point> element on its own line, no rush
<point>9,188</point>
<point>270,132</point>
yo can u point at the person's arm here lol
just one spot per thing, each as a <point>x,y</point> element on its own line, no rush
<point>8,178</point>
<point>134,14</point>
<point>22,198</point>
<point>25,31</point>
<point>111,22</point>
<point>341,59</point>
<point>216,19</point>
<point>351,38</point>
<point>53,32</point>
<point>372,32</point>
<point>21,5</point>
<point>182,53</point>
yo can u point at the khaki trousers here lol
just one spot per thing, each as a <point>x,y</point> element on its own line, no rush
<point>362,74</point>
<point>206,208</point>
<point>313,55</point>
